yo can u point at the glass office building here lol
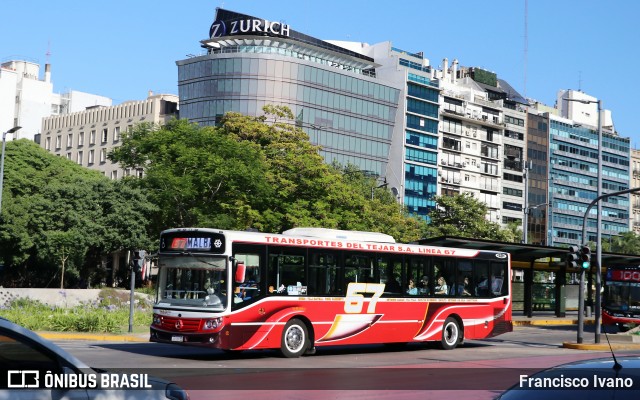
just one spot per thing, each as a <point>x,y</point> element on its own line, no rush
<point>574,181</point>
<point>332,91</point>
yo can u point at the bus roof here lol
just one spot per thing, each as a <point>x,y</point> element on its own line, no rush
<point>324,233</point>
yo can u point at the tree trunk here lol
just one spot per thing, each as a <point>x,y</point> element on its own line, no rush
<point>62,275</point>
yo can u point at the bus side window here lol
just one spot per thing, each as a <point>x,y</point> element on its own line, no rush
<point>481,277</point>
<point>287,274</point>
<point>323,273</point>
<point>498,283</point>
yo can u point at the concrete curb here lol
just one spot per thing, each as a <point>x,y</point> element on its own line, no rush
<point>93,337</point>
<point>601,346</point>
<point>541,322</point>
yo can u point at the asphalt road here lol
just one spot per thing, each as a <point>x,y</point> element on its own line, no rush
<point>480,369</point>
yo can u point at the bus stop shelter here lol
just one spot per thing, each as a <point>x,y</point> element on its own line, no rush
<point>530,258</point>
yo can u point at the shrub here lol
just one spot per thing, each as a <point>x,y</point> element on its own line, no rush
<point>108,314</point>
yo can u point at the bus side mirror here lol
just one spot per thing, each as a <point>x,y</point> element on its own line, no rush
<point>241,269</point>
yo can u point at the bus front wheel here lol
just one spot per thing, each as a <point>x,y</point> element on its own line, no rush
<point>451,334</point>
<point>295,339</point>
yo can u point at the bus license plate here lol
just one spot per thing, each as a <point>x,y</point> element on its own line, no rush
<point>177,338</point>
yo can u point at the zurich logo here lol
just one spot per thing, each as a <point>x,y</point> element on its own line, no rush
<point>501,255</point>
<point>217,243</point>
<point>218,29</point>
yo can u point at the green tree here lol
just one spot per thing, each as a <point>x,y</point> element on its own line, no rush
<point>196,176</point>
<point>254,172</point>
<point>383,213</point>
<point>463,215</point>
<point>59,214</point>
<point>625,243</point>
<point>309,192</point>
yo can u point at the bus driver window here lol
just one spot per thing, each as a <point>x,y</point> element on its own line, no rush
<point>249,289</point>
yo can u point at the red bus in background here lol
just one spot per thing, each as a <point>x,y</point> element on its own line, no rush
<point>621,299</point>
<point>312,287</point>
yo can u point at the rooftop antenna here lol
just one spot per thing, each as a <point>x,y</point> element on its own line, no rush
<point>579,81</point>
<point>526,44</point>
<point>48,53</point>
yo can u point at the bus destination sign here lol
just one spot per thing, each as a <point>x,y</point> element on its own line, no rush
<point>207,242</point>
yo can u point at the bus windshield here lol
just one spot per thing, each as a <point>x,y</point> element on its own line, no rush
<point>622,296</point>
<point>192,281</point>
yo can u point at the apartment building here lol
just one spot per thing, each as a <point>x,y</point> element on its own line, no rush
<point>635,198</point>
<point>26,98</point>
<point>86,137</point>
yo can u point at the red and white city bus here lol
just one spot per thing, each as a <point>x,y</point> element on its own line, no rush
<point>311,287</point>
<point>621,299</point>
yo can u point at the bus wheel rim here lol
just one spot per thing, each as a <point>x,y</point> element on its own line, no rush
<point>451,333</point>
<point>294,338</point>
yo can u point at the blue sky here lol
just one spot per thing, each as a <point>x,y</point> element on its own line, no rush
<point>122,49</point>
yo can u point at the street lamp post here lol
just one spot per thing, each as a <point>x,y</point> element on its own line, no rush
<point>598,315</point>
<point>385,184</point>
<point>4,140</point>
<point>597,310</point>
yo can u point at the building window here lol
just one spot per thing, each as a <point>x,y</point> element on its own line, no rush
<point>511,206</point>
<point>509,220</point>
<point>69,156</point>
<point>513,120</point>
<point>512,192</point>
<point>92,137</point>
<point>105,135</point>
<point>116,134</point>
<point>91,157</point>
<point>114,174</point>
<point>103,155</point>
<point>47,143</point>
<point>512,177</point>
<point>81,139</point>
<point>58,142</point>
<point>79,158</point>
<point>70,140</point>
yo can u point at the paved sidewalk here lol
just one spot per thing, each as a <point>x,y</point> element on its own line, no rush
<point>548,318</point>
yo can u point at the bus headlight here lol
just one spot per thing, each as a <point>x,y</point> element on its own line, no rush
<point>212,323</point>
<point>157,320</point>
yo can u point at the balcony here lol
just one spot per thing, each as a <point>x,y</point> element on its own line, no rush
<point>512,165</point>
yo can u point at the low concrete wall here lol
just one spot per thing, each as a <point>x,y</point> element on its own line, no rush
<point>51,297</point>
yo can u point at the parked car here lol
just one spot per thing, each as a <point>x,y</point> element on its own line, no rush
<point>603,378</point>
<point>32,367</point>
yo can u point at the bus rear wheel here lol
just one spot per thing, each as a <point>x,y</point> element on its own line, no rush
<point>295,339</point>
<point>451,334</point>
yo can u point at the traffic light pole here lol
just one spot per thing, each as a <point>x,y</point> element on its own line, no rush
<point>572,262</point>
<point>598,267</point>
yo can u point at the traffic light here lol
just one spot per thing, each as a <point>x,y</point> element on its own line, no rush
<point>137,261</point>
<point>585,256</point>
<point>573,257</point>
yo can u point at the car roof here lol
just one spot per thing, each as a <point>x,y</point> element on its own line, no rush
<point>14,330</point>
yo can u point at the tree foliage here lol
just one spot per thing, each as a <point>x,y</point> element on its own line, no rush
<point>196,176</point>
<point>463,215</point>
<point>56,213</point>
<point>625,243</point>
<point>254,172</point>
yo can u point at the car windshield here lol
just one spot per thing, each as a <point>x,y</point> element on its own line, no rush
<point>192,281</point>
